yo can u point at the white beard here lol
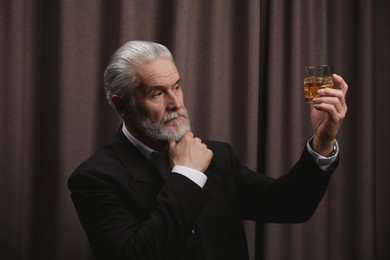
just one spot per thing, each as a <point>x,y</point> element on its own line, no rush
<point>158,130</point>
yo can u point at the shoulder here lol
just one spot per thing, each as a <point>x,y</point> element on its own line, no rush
<point>223,154</point>
<point>98,166</point>
<point>104,157</point>
<point>218,146</point>
<point>114,164</point>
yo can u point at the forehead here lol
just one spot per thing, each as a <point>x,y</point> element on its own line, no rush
<point>158,72</point>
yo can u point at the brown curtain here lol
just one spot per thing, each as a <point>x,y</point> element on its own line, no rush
<point>241,61</point>
<point>352,221</point>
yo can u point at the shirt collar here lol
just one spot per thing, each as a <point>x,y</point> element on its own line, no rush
<point>144,149</point>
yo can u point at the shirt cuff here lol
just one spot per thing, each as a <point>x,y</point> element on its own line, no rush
<point>194,175</point>
<point>322,161</point>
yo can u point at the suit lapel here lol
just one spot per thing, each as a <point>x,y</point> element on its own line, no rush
<point>140,167</point>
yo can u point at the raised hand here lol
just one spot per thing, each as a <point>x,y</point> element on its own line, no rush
<point>327,114</point>
<point>190,152</point>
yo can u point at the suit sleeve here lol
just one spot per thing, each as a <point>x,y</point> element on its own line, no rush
<point>116,230</point>
<point>292,198</point>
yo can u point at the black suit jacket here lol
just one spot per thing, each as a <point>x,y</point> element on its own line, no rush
<point>130,212</point>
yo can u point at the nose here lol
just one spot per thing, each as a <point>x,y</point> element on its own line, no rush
<point>174,101</point>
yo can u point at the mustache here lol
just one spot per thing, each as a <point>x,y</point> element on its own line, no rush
<point>174,115</point>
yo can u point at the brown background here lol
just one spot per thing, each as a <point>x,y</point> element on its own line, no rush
<point>241,62</point>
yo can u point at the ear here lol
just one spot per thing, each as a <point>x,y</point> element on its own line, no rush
<point>120,105</point>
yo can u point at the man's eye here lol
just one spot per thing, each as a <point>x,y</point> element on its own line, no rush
<point>156,94</point>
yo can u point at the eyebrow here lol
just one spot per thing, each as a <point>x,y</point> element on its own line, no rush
<point>150,89</point>
<point>159,87</point>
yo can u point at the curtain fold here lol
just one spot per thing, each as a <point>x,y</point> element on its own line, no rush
<point>242,67</point>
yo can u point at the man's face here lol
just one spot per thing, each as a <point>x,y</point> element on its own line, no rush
<point>160,112</point>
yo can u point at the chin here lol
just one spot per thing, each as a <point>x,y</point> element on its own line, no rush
<point>175,133</point>
<point>173,130</point>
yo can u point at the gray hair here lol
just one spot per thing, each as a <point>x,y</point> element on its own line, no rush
<point>121,77</point>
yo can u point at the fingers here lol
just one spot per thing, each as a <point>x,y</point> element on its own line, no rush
<point>197,139</point>
<point>190,151</point>
<point>340,83</point>
<point>189,136</point>
<point>334,109</point>
<point>333,98</point>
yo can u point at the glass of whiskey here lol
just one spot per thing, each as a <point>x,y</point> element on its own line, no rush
<point>316,77</point>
